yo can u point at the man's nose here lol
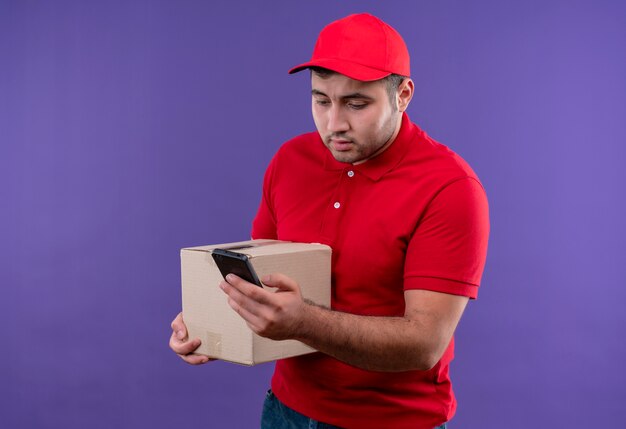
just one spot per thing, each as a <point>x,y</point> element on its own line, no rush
<point>337,122</point>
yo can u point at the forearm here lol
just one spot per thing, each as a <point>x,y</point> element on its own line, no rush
<point>415,341</point>
<point>369,342</point>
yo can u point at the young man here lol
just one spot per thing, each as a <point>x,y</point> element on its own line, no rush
<point>407,220</point>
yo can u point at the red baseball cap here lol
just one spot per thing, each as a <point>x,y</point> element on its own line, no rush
<point>361,47</point>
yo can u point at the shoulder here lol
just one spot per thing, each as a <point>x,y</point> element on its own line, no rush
<point>307,143</point>
<point>299,152</point>
<point>436,160</point>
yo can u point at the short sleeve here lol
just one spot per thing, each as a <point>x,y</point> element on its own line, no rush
<point>448,249</point>
<point>264,223</point>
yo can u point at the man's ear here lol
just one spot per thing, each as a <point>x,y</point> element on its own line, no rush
<point>405,94</point>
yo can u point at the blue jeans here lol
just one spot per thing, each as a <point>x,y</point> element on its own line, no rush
<point>276,415</point>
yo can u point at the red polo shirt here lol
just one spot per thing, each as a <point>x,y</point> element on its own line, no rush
<point>413,217</point>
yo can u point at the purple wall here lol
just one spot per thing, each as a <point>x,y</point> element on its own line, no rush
<point>131,129</point>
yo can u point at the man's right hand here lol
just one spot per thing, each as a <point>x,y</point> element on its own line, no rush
<point>183,346</point>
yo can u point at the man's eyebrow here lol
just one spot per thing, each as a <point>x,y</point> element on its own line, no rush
<point>354,95</point>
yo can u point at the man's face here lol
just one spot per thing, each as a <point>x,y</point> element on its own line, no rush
<point>355,119</point>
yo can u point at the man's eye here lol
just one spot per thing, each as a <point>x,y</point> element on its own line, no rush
<point>322,102</point>
<point>357,106</point>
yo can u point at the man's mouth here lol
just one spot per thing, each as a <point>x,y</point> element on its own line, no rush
<point>340,145</point>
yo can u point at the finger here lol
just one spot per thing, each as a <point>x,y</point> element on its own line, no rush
<point>179,328</point>
<point>280,281</point>
<point>251,318</point>
<point>246,294</point>
<point>183,347</point>
<point>244,286</point>
<point>195,359</point>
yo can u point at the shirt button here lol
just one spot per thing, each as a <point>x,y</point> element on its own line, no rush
<point>337,205</point>
<point>350,173</point>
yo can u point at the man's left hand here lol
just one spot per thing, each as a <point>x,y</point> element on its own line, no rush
<point>278,315</point>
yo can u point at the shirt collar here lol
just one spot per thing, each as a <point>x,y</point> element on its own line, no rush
<point>377,167</point>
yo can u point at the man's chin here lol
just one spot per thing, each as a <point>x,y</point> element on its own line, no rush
<point>345,157</point>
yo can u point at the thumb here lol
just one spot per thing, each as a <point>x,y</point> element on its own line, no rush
<point>178,326</point>
<point>281,282</point>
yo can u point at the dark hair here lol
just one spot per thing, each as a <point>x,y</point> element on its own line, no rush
<point>392,82</point>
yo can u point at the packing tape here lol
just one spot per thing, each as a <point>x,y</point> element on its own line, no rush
<point>211,341</point>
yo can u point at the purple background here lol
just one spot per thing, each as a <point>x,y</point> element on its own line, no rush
<point>131,129</point>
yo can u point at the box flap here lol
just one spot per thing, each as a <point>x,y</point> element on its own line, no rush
<point>233,246</point>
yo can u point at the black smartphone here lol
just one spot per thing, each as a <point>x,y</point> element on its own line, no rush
<point>236,263</point>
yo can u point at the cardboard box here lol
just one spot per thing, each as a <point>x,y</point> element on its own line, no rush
<point>224,334</point>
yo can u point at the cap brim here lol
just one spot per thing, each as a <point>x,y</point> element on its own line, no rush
<point>352,70</point>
